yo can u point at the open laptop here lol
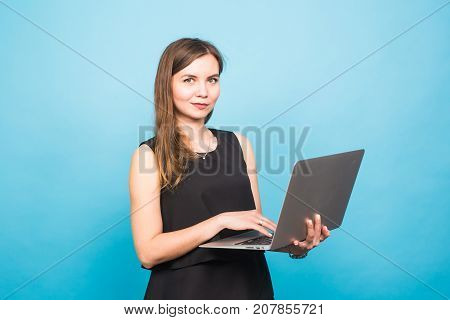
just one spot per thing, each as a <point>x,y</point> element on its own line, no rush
<point>318,185</point>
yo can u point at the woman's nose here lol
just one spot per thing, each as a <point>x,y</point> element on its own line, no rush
<point>202,90</point>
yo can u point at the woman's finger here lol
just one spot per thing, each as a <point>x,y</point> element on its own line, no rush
<point>269,222</point>
<point>325,232</point>
<point>272,222</point>
<point>261,229</point>
<point>266,222</point>
<point>261,221</point>
<point>303,245</point>
<point>310,233</point>
<point>317,229</point>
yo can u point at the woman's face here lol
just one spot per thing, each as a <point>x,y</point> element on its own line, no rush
<point>197,83</point>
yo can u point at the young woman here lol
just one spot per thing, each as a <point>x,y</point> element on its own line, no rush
<point>190,184</point>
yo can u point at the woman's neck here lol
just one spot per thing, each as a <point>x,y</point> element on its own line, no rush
<point>197,134</point>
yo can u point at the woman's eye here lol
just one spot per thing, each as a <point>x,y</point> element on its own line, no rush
<point>188,80</point>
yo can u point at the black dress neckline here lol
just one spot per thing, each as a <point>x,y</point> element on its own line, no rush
<point>214,132</point>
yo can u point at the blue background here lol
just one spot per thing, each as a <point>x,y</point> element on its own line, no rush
<point>68,129</point>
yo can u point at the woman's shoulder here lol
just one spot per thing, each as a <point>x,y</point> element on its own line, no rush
<point>143,162</point>
<point>149,142</point>
<point>144,154</point>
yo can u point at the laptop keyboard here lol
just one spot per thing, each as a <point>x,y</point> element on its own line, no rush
<point>259,240</point>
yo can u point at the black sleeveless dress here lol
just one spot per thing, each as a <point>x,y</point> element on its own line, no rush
<point>213,185</point>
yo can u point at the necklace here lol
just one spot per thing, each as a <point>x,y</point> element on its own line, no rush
<point>209,145</point>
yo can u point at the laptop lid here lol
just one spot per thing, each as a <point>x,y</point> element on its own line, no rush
<point>321,185</point>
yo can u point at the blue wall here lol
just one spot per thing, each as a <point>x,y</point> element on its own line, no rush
<point>69,122</point>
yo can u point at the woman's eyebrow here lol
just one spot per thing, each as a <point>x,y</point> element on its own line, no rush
<point>194,76</point>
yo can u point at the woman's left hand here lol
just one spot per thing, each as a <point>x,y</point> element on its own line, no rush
<point>316,233</point>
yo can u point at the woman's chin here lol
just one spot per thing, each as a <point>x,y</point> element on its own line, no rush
<point>196,116</point>
<point>195,113</point>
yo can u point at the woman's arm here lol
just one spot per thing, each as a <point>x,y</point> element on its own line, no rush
<point>152,245</point>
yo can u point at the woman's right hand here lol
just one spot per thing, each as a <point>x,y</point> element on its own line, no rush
<point>247,219</point>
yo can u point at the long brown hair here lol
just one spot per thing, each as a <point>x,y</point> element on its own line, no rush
<point>171,150</point>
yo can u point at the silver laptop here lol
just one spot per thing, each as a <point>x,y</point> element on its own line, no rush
<point>321,185</point>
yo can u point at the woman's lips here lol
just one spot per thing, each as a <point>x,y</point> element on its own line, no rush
<point>199,105</point>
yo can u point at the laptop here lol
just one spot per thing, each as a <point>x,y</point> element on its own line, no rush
<point>321,185</point>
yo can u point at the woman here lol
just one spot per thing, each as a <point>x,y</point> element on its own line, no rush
<point>190,184</point>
